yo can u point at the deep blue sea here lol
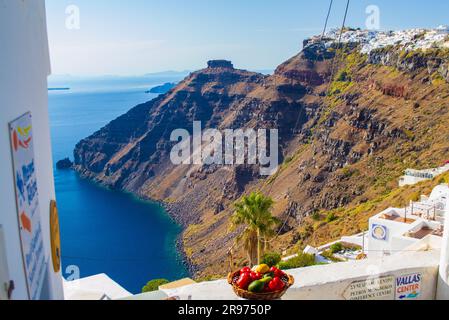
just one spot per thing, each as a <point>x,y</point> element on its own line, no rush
<point>104,231</point>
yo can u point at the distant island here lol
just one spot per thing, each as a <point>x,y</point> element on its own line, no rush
<point>58,89</point>
<point>163,89</point>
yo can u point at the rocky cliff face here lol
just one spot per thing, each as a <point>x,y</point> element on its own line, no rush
<point>348,125</point>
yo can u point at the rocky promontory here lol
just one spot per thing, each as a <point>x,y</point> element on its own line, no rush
<point>64,164</point>
<point>225,64</point>
<point>162,89</point>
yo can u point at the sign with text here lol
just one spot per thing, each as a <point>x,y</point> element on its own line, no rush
<point>376,288</point>
<point>27,199</point>
<point>408,287</point>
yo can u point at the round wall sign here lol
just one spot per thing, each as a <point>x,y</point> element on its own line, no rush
<point>379,232</point>
<point>55,237</point>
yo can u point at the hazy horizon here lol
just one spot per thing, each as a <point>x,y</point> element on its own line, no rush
<point>142,75</point>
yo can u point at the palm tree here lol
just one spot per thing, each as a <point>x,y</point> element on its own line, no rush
<point>254,211</point>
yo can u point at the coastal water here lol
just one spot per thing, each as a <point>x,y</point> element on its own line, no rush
<point>104,231</point>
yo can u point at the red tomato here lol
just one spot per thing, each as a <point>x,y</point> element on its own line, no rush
<point>255,276</point>
<point>244,281</point>
<point>276,284</point>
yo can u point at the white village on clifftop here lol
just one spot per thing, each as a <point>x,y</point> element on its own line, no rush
<point>404,255</point>
<point>409,40</point>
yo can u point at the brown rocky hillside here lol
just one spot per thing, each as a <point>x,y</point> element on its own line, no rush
<point>349,124</point>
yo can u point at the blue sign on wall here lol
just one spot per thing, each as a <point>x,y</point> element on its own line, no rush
<point>379,232</point>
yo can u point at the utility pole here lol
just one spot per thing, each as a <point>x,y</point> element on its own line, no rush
<point>363,244</point>
<point>327,19</point>
<point>231,260</point>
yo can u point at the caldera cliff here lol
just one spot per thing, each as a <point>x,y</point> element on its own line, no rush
<point>349,123</point>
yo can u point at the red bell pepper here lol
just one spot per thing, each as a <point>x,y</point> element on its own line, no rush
<point>266,289</point>
<point>276,272</point>
<point>245,270</point>
<point>276,284</point>
<point>255,276</point>
<point>244,281</point>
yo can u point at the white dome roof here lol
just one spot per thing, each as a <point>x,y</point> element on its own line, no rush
<point>439,192</point>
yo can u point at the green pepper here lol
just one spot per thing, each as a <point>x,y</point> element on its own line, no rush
<point>256,286</point>
<point>266,279</point>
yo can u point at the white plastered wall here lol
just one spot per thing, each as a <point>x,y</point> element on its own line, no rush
<point>24,67</point>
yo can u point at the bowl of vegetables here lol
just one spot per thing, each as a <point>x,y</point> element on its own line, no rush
<point>260,282</point>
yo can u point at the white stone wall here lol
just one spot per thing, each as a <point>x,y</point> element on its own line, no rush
<point>24,66</point>
<point>399,243</point>
<point>409,181</point>
<point>329,282</point>
<point>394,230</point>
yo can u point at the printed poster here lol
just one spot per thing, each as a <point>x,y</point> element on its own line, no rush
<point>408,287</point>
<point>21,132</point>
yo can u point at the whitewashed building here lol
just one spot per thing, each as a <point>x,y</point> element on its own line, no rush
<point>413,176</point>
<point>396,229</point>
<point>412,39</point>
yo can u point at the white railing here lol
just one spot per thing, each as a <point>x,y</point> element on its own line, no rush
<point>433,212</point>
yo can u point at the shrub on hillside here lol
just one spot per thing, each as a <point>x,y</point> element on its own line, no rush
<point>301,261</point>
<point>331,217</point>
<point>342,76</point>
<point>336,247</point>
<point>271,259</point>
<point>316,215</point>
<point>154,285</point>
<point>330,256</point>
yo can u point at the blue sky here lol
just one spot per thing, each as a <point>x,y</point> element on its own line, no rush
<point>133,37</point>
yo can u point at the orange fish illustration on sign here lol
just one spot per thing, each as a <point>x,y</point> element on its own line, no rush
<point>26,222</point>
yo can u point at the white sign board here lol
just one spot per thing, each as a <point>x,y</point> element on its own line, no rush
<point>21,132</point>
<point>408,287</point>
<point>376,288</point>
